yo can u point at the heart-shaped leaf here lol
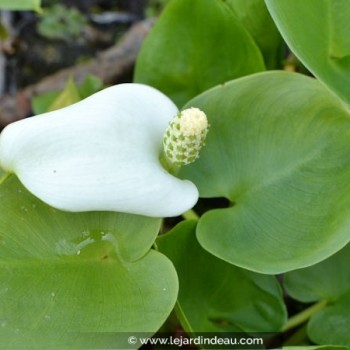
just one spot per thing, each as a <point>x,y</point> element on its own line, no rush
<point>278,149</point>
<point>318,31</point>
<point>216,296</point>
<point>68,278</point>
<point>195,45</point>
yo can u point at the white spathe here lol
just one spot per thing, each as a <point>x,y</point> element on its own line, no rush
<point>100,154</point>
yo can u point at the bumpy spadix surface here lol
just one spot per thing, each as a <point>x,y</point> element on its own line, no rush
<point>185,136</point>
<point>100,154</point>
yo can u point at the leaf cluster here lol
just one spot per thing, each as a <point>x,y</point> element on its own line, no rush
<point>275,259</point>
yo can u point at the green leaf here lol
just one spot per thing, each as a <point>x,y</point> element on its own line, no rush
<point>89,86</point>
<point>195,45</point>
<point>331,324</point>
<point>216,296</point>
<point>70,231</point>
<point>278,149</point>
<point>67,97</point>
<point>43,102</point>
<point>328,279</point>
<point>258,22</point>
<point>318,32</point>
<point>20,5</point>
<point>68,277</point>
<point>61,22</point>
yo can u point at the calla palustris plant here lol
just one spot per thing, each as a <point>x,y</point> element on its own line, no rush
<point>278,151</point>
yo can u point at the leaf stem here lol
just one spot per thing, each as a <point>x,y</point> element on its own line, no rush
<point>304,315</point>
<point>190,215</point>
<point>297,338</point>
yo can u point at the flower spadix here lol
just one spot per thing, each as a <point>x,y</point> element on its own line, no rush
<point>100,154</point>
<point>185,136</point>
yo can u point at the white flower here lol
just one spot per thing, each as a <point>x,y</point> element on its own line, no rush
<point>100,154</point>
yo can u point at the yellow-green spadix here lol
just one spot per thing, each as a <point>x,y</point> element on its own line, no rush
<point>100,154</point>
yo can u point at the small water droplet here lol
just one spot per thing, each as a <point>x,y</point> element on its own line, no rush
<point>84,243</point>
<point>47,317</point>
<point>33,205</point>
<point>3,324</point>
<point>78,252</point>
<point>164,289</point>
<point>64,247</point>
<point>53,294</point>
<point>108,236</point>
<point>24,208</point>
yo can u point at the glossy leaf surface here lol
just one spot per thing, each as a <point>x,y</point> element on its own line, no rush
<point>195,45</point>
<point>318,32</point>
<point>278,149</point>
<point>258,22</point>
<point>68,278</point>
